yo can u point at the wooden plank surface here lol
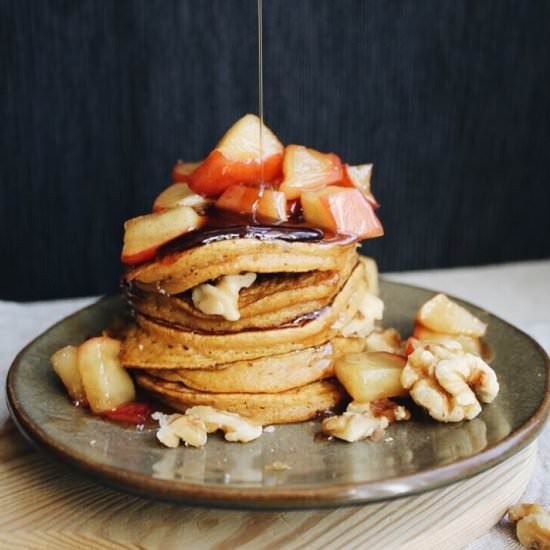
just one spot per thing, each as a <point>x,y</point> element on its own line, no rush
<point>44,505</point>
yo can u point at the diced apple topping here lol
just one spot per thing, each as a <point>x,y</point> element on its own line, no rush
<point>370,376</point>
<point>360,177</point>
<point>65,365</point>
<point>264,203</point>
<point>181,171</point>
<point>308,170</point>
<point>236,159</point>
<point>144,235</point>
<point>179,194</point>
<point>469,344</point>
<point>440,314</point>
<point>106,383</point>
<point>341,210</point>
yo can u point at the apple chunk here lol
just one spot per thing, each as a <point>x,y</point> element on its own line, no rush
<point>181,171</point>
<point>236,159</point>
<point>144,235</point>
<point>440,314</point>
<point>265,203</point>
<point>370,376</point>
<point>65,365</point>
<point>360,177</point>
<point>341,210</point>
<point>179,194</point>
<point>308,170</point>
<point>106,383</point>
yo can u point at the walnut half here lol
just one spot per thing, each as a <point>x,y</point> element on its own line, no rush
<point>448,382</point>
<point>532,525</point>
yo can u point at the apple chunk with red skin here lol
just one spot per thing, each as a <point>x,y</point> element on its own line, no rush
<point>308,170</point>
<point>181,171</point>
<point>360,177</point>
<point>236,159</point>
<point>341,210</point>
<point>243,199</point>
<point>144,235</point>
<point>179,194</point>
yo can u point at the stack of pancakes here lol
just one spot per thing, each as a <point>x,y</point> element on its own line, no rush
<point>275,363</point>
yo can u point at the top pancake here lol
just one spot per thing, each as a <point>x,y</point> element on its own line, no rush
<point>185,269</point>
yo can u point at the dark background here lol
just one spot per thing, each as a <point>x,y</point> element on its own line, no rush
<point>450,100</point>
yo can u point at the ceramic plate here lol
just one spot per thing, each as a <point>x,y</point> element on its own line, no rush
<point>414,456</point>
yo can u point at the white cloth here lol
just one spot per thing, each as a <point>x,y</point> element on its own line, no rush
<point>519,293</point>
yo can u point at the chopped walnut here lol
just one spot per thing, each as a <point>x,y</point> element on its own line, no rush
<point>178,427</point>
<point>193,426</point>
<point>363,420</point>
<point>532,525</point>
<point>222,298</point>
<point>448,382</point>
<point>236,427</point>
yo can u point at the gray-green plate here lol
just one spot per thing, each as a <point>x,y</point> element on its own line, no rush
<point>414,456</point>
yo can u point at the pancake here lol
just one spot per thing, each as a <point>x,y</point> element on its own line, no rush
<point>271,374</point>
<point>185,269</point>
<point>296,405</point>
<point>154,345</point>
<point>271,301</point>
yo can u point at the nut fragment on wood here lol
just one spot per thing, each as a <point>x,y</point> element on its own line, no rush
<point>532,525</point>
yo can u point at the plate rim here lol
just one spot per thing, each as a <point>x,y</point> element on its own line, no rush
<point>305,496</point>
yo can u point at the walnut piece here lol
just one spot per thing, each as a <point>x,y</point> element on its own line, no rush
<point>448,382</point>
<point>363,420</point>
<point>178,427</point>
<point>193,426</point>
<point>222,298</point>
<point>532,525</point>
<point>236,427</point>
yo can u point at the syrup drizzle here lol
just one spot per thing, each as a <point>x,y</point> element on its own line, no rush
<point>260,108</point>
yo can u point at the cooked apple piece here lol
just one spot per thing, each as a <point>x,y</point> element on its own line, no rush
<point>440,314</point>
<point>272,206</point>
<point>179,194</point>
<point>181,171</point>
<point>369,376</point>
<point>236,159</point>
<point>144,235</point>
<point>360,177</point>
<point>469,344</point>
<point>65,365</point>
<point>107,384</point>
<point>308,170</point>
<point>244,199</point>
<point>341,210</point>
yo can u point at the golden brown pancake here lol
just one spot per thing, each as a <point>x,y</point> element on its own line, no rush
<point>153,345</point>
<point>294,405</point>
<point>270,374</point>
<point>188,268</point>
<point>271,301</point>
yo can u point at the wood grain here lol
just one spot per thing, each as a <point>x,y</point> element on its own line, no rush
<point>43,505</point>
